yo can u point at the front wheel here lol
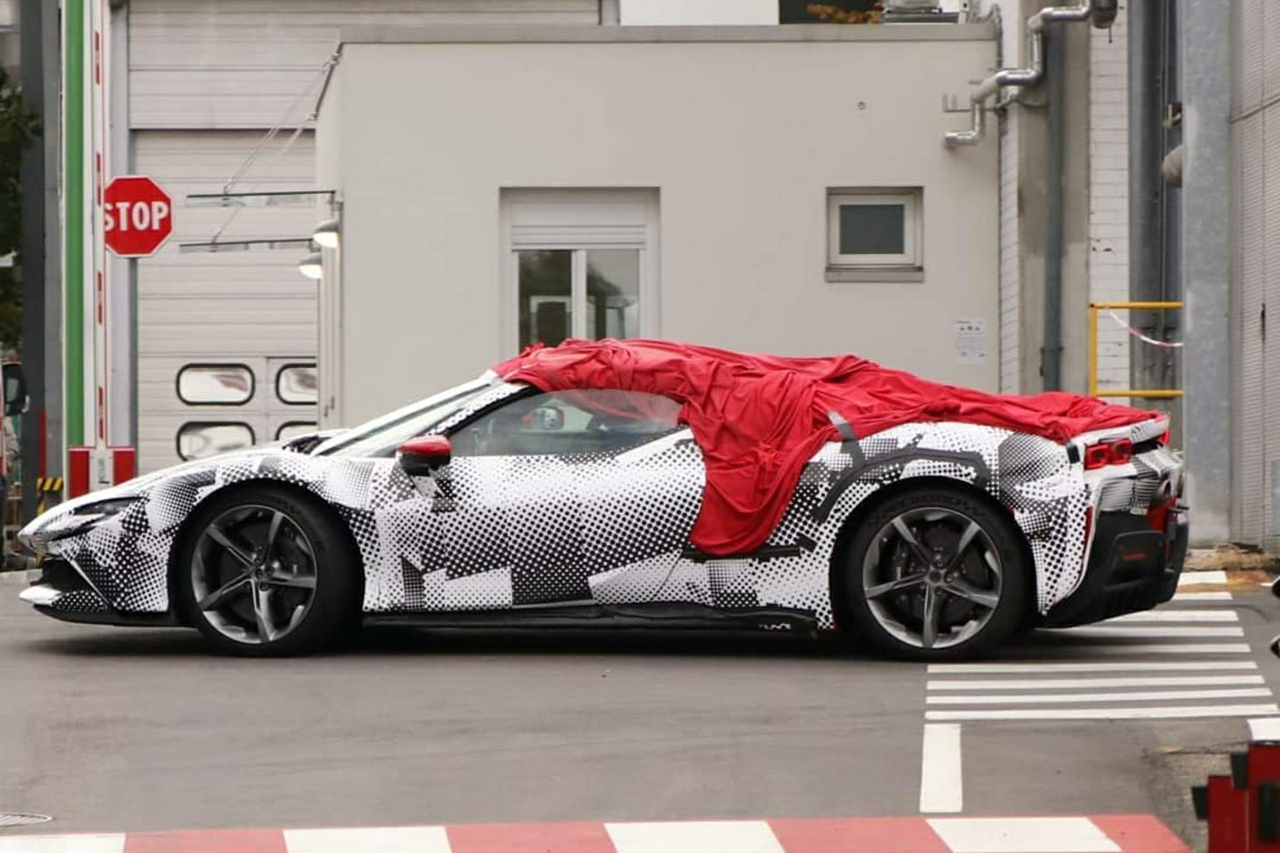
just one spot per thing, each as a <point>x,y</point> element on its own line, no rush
<point>266,572</point>
<point>936,573</point>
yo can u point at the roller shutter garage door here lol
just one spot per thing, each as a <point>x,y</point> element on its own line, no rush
<point>226,341</point>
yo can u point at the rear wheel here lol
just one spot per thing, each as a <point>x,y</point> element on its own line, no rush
<point>266,572</point>
<point>936,573</point>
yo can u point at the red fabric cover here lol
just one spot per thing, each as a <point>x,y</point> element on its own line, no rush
<point>759,418</point>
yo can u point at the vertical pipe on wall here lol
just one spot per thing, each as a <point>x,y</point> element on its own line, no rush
<point>1149,211</point>
<point>1146,184</point>
<point>74,218</point>
<point>32,255</point>
<point>1051,354</point>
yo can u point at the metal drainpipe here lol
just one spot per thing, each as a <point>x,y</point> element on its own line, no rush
<point>1051,353</point>
<point>1146,182</point>
<point>1101,12</point>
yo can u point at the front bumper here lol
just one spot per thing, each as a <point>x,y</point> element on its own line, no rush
<point>63,593</point>
<point>1134,565</point>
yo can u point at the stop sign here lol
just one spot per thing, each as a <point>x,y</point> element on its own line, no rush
<point>137,216</point>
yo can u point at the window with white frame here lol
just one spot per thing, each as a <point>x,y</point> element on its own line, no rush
<point>876,229</point>
<point>580,263</point>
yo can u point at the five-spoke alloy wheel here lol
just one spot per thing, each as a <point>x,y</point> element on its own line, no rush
<point>266,573</point>
<point>935,573</point>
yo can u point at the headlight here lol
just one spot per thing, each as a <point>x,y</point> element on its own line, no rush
<point>107,508</point>
<point>86,516</point>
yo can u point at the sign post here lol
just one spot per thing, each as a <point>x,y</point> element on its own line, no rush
<point>137,218</point>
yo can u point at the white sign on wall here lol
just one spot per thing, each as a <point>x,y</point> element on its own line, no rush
<point>971,340</point>
<point>698,12</point>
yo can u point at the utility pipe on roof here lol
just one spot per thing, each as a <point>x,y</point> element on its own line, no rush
<point>1102,12</point>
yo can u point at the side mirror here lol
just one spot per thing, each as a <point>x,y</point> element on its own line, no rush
<point>422,457</point>
<point>15,389</point>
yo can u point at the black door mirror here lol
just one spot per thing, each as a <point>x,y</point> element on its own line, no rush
<point>15,389</point>
<point>422,457</point>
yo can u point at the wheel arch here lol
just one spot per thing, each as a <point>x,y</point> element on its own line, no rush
<point>187,529</point>
<point>853,521</point>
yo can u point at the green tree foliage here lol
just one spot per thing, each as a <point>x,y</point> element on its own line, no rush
<point>18,127</point>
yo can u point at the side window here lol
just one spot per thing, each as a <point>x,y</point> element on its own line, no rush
<point>566,422</point>
<point>201,439</point>
<point>293,429</point>
<point>296,384</point>
<point>215,384</point>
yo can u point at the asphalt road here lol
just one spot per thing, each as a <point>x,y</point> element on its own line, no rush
<point>128,729</point>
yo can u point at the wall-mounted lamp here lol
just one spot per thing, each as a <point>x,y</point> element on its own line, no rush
<point>312,266</point>
<point>326,233</point>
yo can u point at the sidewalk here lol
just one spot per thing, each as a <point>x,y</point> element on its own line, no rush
<point>1091,834</point>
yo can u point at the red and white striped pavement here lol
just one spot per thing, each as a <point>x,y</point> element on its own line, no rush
<point>1088,834</point>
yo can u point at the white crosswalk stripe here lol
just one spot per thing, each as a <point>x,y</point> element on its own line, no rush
<point>1201,578</point>
<point>1177,616</point>
<point>1201,597</point>
<point>1160,664</point>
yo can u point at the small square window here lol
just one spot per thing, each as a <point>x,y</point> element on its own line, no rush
<point>878,229</point>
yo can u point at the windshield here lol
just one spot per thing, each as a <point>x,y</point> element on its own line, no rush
<point>382,435</point>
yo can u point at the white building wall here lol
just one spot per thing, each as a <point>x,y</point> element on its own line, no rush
<point>242,63</point>
<point>1256,271</point>
<point>206,80</point>
<point>1109,195</point>
<point>740,146</point>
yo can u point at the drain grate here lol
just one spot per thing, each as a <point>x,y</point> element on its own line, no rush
<point>15,819</point>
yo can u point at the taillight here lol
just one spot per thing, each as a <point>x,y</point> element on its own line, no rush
<point>1096,456</point>
<point>1117,452</point>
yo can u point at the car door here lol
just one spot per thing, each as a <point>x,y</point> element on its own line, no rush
<point>581,496</point>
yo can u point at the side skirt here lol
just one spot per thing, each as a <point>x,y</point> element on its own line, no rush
<point>660,616</point>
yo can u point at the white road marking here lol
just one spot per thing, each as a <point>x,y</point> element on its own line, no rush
<point>386,839</point>
<point>1173,649</point>
<point>1072,676</point>
<point>1017,835</point>
<point>1116,632</point>
<point>941,782</point>
<point>1156,713</point>
<point>1125,666</point>
<point>1068,698</point>
<point>1201,596</point>
<point>1177,616</point>
<point>1264,728</point>
<point>1074,683</point>
<point>1199,578</point>
<point>712,836</point>
<point>113,843</point>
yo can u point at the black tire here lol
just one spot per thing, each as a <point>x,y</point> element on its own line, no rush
<point>896,563</point>
<point>307,529</point>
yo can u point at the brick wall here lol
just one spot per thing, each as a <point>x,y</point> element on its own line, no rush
<point>1109,195</point>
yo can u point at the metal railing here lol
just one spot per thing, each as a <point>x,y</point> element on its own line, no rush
<point>1148,393</point>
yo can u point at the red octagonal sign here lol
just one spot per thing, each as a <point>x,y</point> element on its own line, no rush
<point>137,216</point>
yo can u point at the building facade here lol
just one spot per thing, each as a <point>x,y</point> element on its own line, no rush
<point>701,195</point>
<point>769,189</point>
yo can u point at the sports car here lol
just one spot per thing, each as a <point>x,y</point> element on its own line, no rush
<point>650,484</point>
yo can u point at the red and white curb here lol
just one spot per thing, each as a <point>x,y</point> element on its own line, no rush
<point>1085,834</point>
